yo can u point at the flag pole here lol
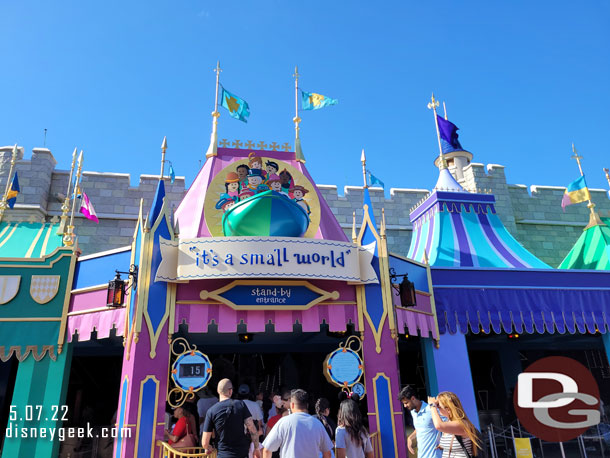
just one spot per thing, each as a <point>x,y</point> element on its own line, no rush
<point>298,152</point>
<point>69,236</point>
<point>594,219</point>
<point>445,110</point>
<point>3,202</point>
<point>66,205</point>
<point>163,149</point>
<point>432,105</point>
<point>363,160</point>
<point>213,148</point>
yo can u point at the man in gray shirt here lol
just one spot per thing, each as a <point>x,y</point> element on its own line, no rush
<point>298,434</point>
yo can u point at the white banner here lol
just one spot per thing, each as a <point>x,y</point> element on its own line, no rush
<point>265,257</point>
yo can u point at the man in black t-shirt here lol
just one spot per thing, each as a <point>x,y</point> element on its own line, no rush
<point>227,418</point>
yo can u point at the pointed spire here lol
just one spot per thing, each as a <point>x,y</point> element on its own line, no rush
<point>65,208</point>
<point>432,105</point>
<point>163,149</point>
<point>594,219</point>
<point>446,182</point>
<point>213,148</point>
<point>298,152</point>
<point>363,161</point>
<point>4,201</point>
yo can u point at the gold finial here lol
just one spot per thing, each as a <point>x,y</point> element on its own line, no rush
<point>445,110</point>
<point>66,205</point>
<point>432,105</point>
<point>4,201</point>
<point>69,237</point>
<point>363,160</point>
<point>163,149</point>
<point>298,151</point>
<point>577,157</point>
<point>607,172</point>
<point>213,148</point>
<point>594,219</point>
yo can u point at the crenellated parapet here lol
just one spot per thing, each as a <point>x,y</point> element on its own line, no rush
<point>532,214</point>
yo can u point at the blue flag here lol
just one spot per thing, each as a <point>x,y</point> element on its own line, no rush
<point>172,174</point>
<point>449,135</point>
<point>374,180</point>
<point>313,101</point>
<point>11,196</point>
<point>238,107</point>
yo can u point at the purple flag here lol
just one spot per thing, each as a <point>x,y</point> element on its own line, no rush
<point>86,208</point>
<point>449,135</point>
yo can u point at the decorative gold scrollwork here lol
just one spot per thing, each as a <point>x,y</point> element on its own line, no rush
<point>176,397</point>
<point>181,346</point>
<point>352,340</point>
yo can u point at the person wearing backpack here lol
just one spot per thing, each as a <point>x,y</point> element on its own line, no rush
<point>230,418</point>
<point>460,438</point>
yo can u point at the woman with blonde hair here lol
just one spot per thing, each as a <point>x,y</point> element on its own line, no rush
<point>459,437</point>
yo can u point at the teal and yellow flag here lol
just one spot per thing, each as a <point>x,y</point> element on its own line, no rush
<point>11,196</point>
<point>313,101</point>
<point>576,192</point>
<point>238,107</point>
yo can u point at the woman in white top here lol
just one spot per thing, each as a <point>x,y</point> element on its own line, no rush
<point>459,438</point>
<point>352,438</point>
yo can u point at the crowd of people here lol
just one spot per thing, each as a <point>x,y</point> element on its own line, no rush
<point>244,425</point>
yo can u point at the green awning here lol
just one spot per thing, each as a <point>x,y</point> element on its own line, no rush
<point>591,251</point>
<point>20,239</point>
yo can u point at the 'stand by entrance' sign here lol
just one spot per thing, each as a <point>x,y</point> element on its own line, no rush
<point>265,257</point>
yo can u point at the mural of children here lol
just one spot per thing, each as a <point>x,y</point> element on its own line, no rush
<point>245,194</point>
<point>242,172</point>
<point>255,162</point>
<point>225,203</point>
<point>232,185</point>
<point>255,181</point>
<point>275,183</point>
<point>286,180</point>
<point>298,193</point>
<point>272,169</point>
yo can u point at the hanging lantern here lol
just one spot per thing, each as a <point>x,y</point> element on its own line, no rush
<point>116,292</point>
<point>406,290</point>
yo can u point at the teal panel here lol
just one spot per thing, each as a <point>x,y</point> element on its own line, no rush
<point>39,383</point>
<point>28,333</point>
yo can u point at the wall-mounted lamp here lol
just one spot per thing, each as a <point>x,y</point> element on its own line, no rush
<point>116,287</point>
<point>246,337</point>
<point>406,289</point>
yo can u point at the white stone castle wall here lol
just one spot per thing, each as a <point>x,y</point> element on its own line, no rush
<point>533,215</point>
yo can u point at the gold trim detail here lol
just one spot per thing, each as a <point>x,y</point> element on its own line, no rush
<point>382,375</point>
<point>35,241</point>
<point>33,349</point>
<point>139,422</point>
<point>216,294</point>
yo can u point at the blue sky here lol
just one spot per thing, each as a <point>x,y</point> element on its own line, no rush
<point>522,80</point>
